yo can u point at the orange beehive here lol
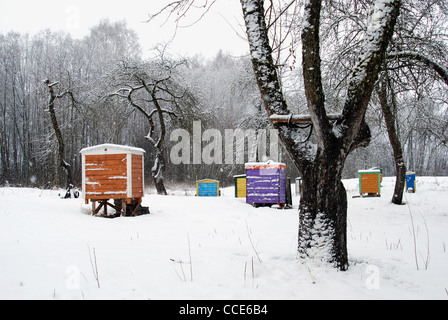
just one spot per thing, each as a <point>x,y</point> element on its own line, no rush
<point>112,172</point>
<point>370,182</point>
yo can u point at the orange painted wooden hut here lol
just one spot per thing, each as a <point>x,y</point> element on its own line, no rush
<point>113,172</point>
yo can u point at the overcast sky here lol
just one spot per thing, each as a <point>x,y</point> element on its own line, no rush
<point>217,30</point>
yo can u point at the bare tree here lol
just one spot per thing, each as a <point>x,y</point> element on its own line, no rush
<point>61,145</point>
<point>152,90</point>
<point>29,144</point>
<point>323,205</point>
<point>389,108</point>
<point>417,46</point>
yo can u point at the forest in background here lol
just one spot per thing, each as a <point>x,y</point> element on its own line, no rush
<point>220,92</point>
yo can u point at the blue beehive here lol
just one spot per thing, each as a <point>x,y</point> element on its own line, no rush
<point>207,188</point>
<point>410,182</point>
<point>266,183</point>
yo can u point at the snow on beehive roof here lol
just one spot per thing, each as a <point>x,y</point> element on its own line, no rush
<point>108,148</point>
<point>265,165</point>
<point>370,171</point>
<point>207,180</point>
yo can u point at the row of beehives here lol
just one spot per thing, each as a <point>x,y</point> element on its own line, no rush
<point>116,172</point>
<point>263,184</point>
<point>370,182</point>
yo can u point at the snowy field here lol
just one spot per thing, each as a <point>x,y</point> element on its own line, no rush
<point>219,248</point>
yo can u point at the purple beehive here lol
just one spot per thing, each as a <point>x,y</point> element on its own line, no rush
<point>266,183</point>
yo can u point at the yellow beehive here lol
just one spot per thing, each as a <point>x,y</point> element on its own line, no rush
<point>240,186</point>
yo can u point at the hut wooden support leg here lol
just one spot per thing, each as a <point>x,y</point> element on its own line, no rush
<point>117,208</point>
<point>135,212</point>
<point>113,206</point>
<point>124,209</point>
<point>103,203</point>
<point>95,210</point>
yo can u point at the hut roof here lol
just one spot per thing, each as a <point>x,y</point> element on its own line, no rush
<point>111,149</point>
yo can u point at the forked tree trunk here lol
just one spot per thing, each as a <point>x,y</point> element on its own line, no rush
<point>159,162</point>
<point>323,205</point>
<point>323,213</point>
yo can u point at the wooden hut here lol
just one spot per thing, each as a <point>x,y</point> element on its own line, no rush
<point>370,182</point>
<point>113,172</point>
<point>207,188</point>
<point>266,183</point>
<point>240,185</point>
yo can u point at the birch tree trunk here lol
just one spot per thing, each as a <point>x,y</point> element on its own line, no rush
<point>323,205</point>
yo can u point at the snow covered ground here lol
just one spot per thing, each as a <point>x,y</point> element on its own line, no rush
<point>219,248</point>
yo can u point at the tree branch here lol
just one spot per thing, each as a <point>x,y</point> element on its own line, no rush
<point>311,65</point>
<point>365,74</point>
<point>269,85</point>
<point>428,62</point>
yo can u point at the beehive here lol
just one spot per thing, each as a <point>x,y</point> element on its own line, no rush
<point>240,186</point>
<point>370,182</point>
<point>266,183</point>
<point>112,172</point>
<point>207,188</point>
<point>410,182</point>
